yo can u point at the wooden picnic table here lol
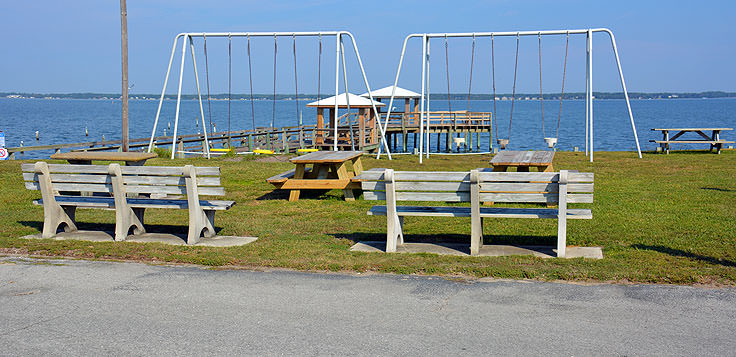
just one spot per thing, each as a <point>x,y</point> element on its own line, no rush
<point>86,158</point>
<point>523,160</point>
<point>714,139</point>
<point>329,170</point>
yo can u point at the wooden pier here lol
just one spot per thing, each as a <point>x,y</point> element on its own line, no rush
<point>461,125</point>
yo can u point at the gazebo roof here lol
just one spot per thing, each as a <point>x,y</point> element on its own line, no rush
<point>386,93</point>
<point>342,102</point>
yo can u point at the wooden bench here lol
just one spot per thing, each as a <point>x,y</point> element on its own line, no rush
<point>59,185</point>
<point>476,187</point>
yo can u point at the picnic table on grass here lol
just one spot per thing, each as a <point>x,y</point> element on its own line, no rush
<point>329,170</point>
<point>523,160</point>
<point>86,158</point>
<point>714,139</point>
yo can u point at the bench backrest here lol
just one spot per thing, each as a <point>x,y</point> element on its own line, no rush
<point>137,179</point>
<point>506,187</point>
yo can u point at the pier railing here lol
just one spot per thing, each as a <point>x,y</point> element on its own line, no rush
<point>441,120</point>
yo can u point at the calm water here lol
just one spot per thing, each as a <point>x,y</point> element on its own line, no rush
<point>64,121</point>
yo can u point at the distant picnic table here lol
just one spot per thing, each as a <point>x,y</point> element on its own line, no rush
<point>86,158</point>
<point>329,171</point>
<point>523,160</point>
<point>714,139</point>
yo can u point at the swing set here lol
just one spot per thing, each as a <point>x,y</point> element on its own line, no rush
<point>189,37</point>
<point>503,143</point>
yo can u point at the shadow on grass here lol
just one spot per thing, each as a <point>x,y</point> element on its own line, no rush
<point>681,253</point>
<point>283,195</point>
<point>717,189</point>
<point>454,238</point>
<point>180,231</point>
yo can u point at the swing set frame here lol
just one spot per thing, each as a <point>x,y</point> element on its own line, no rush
<point>424,109</point>
<point>189,36</point>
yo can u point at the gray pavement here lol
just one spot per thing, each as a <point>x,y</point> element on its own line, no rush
<point>62,307</point>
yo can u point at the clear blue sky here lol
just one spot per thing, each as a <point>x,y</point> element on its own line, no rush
<point>74,46</point>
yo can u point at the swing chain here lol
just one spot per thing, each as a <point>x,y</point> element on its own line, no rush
<point>470,80</point>
<point>541,96</point>
<point>207,72</point>
<point>250,78</point>
<point>447,67</point>
<point>319,68</point>
<point>229,83</point>
<point>493,81</point>
<point>296,81</point>
<point>513,91</point>
<point>273,98</point>
<point>562,91</point>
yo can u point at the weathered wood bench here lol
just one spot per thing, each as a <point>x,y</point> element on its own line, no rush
<point>61,184</point>
<point>476,187</point>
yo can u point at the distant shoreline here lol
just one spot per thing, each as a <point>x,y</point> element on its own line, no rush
<point>433,96</point>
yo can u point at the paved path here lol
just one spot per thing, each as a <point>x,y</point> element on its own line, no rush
<point>80,307</point>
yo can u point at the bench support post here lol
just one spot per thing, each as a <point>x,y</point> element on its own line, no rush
<point>476,227</point>
<point>562,215</point>
<point>199,219</point>
<point>53,213</point>
<point>125,216</point>
<point>394,223</point>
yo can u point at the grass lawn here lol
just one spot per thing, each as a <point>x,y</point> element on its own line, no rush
<point>660,219</point>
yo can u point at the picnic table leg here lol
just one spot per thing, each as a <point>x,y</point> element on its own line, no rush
<point>298,175</point>
<point>342,174</point>
<point>357,166</point>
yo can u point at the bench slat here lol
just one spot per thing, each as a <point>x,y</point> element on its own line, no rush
<point>487,212</point>
<point>417,186</point>
<point>371,175</point>
<point>109,202</point>
<point>126,170</point>
<point>533,197</point>
<point>573,177</point>
<point>91,187</point>
<point>420,196</point>
<point>533,187</point>
<point>105,179</point>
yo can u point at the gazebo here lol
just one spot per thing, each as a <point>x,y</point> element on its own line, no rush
<point>401,93</point>
<point>367,134</point>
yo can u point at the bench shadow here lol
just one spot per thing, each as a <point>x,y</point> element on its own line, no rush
<point>459,242</point>
<point>283,195</point>
<point>717,189</point>
<point>176,230</point>
<point>681,253</point>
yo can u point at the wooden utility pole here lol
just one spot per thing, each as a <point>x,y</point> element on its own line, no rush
<point>124,53</point>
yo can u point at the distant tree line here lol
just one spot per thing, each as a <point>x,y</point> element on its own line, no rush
<point>433,96</point>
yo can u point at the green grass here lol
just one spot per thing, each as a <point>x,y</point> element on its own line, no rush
<point>660,219</point>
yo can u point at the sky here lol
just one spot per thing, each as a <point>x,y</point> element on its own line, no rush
<point>74,46</point>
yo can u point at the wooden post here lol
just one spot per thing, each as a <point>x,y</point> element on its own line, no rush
<point>124,54</point>
<point>361,127</point>
<point>319,139</point>
<point>476,227</point>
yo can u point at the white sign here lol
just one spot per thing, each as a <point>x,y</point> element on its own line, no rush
<point>2,139</point>
<point>3,154</point>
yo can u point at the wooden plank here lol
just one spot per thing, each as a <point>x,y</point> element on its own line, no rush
<point>533,197</point>
<point>128,170</point>
<point>691,129</point>
<point>104,156</point>
<point>533,187</point>
<point>140,180</point>
<point>317,184</point>
<point>109,202</point>
<point>420,196</point>
<point>138,189</point>
<point>486,212</point>
<point>326,157</point>
<point>417,186</point>
<point>692,141</point>
<point>416,176</point>
<point>534,176</point>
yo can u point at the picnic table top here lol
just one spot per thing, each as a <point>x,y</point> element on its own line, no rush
<point>104,156</point>
<point>690,129</point>
<point>523,158</point>
<point>326,157</point>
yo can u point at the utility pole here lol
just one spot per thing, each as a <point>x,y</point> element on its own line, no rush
<point>124,53</point>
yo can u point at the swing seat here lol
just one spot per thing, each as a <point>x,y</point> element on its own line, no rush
<point>551,142</point>
<point>503,143</point>
<point>263,151</point>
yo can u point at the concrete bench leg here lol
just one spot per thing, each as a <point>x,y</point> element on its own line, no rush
<point>125,216</point>
<point>199,219</point>
<point>54,214</point>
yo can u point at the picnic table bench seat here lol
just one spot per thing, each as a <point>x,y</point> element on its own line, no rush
<point>278,180</point>
<point>475,187</point>
<point>62,187</point>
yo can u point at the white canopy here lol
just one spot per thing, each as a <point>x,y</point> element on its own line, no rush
<point>342,102</point>
<point>386,93</point>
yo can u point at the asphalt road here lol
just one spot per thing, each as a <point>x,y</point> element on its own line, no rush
<point>63,307</point>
